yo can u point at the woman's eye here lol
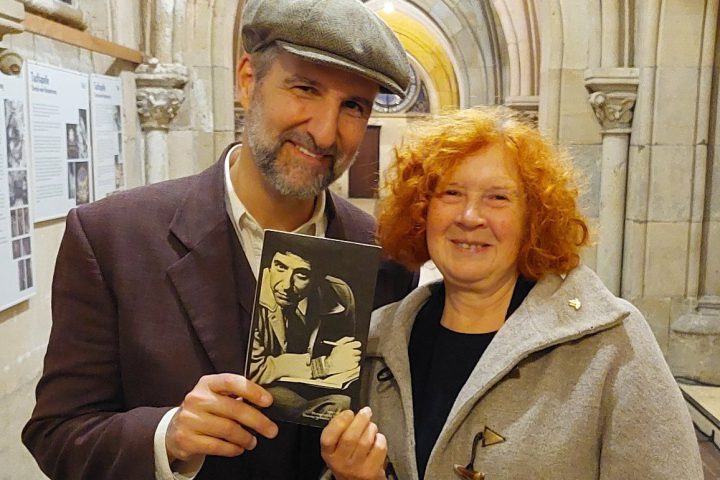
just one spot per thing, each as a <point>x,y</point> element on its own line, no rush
<point>450,195</point>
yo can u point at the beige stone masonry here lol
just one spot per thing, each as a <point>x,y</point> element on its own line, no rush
<point>11,17</point>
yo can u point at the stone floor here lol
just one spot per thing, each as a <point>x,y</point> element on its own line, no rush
<point>704,405</point>
<point>710,457</point>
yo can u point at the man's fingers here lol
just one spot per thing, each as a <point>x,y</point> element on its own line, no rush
<point>345,340</point>
<point>229,431</point>
<point>238,386</point>
<point>244,414</point>
<point>218,447</point>
<point>333,431</point>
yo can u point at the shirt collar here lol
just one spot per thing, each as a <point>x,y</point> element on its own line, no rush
<point>315,225</point>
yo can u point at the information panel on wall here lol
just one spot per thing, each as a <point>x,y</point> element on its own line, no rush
<point>60,132</point>
<point>16,226</point>
<point>108,165</point>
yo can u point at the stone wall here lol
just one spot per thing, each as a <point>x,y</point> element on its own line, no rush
<point>25,328</point>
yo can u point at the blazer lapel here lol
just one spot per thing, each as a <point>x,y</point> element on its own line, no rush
<point>211,279</point>
<point>335,226</point>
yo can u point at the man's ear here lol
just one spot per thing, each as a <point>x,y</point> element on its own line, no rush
<point>245,80</point>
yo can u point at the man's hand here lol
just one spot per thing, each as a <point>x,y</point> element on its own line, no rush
<point>344,356</point>
<point>352,447</point>
<point>214,417</point>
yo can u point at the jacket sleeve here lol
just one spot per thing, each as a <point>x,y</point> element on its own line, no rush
<point>647,431</point>
<point>80,428</point>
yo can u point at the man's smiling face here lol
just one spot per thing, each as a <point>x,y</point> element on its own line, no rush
<point>305,123</point>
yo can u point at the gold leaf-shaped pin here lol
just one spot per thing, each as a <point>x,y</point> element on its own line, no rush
<point>575,303</point>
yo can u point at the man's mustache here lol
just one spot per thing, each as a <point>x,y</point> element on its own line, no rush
<point>306,141</point>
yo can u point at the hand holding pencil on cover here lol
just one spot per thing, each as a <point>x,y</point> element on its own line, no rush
<point>344,356</point>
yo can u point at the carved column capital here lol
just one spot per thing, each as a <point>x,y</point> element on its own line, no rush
<point>158,106</point>
<point>613,92</point>
<point>12,13</point>
<point>614,110</point>
<point>159,93</point>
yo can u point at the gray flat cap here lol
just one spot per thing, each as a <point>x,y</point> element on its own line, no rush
<point>339,33</point>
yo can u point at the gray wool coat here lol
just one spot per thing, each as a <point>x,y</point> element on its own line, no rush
<point>576,393</point>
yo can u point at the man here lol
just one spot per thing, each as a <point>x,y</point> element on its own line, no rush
<point>304,329</point>
<point>153,288</point>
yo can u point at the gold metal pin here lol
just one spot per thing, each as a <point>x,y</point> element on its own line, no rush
<point>575,303</point>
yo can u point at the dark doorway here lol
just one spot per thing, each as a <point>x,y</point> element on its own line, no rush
<point>363,175</point>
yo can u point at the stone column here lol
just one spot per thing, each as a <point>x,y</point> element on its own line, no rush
<point>695,346</point>
<point>159,96</point>
<point>612,96</point>
<point>12,13</point>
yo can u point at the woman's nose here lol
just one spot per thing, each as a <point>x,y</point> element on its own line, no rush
<point>472,215</point>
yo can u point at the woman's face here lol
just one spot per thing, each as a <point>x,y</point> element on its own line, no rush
<point>476,219</point>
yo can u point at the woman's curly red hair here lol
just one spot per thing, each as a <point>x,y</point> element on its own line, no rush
<point>555,230</point>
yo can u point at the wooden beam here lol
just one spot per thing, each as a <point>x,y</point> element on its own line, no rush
<point>62,33</point>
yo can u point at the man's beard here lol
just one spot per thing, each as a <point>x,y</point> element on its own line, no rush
<point>289,177</point>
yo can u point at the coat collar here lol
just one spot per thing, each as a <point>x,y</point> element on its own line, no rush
<point>543,320</point>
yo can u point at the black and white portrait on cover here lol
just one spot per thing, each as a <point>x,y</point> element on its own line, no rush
<point>306,343</point>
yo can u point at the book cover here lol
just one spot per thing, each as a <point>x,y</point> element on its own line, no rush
<point>310,324</point>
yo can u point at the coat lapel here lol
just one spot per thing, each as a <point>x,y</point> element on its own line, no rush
<point>544,319</point>
<point>213,280</point>
<point>393,337</point>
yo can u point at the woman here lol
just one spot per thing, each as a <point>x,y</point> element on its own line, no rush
<point>520,364</point>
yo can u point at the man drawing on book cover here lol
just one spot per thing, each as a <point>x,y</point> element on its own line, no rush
<point>305,331</point>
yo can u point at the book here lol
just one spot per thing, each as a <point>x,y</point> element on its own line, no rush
<point>310,324</point>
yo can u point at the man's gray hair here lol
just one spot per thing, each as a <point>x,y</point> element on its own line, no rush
<point>262,60</point>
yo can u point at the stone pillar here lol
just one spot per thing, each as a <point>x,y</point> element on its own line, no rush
<point>12,13</point>
<point>612,96</point>
<point>695,346</point>
<point>159,96</point>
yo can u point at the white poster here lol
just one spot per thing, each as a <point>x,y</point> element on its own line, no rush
<point>108,166</point>
<point>16,226</point>
<point>60,132</point>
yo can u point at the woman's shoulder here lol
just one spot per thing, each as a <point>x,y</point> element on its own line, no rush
<point>396,316</point>
<point>597,304</point>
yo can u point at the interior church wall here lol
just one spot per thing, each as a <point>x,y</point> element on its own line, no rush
<point>671,160</point>
<point>25,328</point>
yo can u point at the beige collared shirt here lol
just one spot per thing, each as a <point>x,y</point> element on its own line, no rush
<point>250,234</point>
